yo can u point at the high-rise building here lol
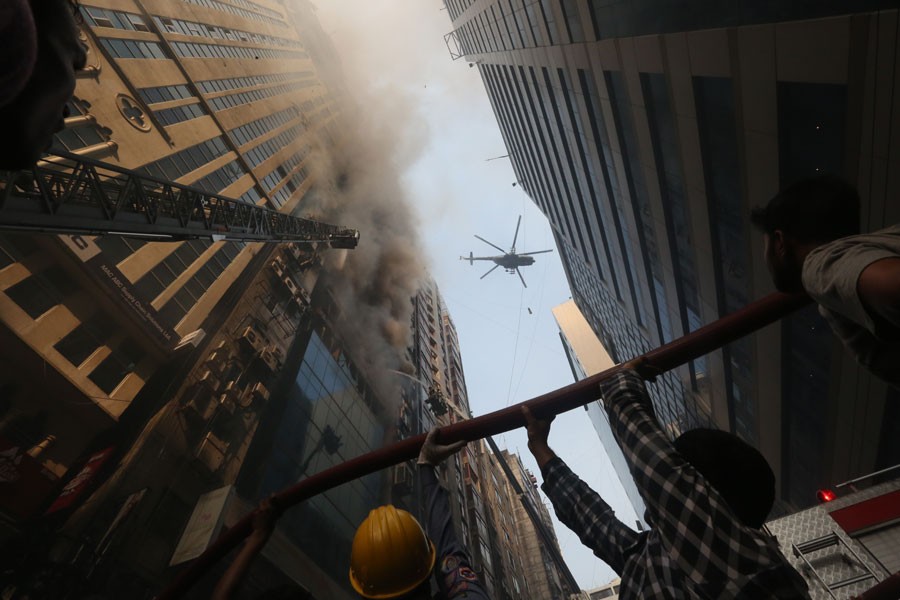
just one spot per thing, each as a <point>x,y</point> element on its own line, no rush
<point>587,357</point>
<point>144,385</point>
<point>541,573</point>
<point>502,543</point>
<point>646,133</point>
<point>222,96</point>
<point>440,399</point>
<point>218,95</point>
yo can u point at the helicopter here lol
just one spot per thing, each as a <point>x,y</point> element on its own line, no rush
<point>511,261</point>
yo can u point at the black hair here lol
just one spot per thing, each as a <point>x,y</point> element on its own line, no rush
<point>819,209</point>
<point>734,468</point>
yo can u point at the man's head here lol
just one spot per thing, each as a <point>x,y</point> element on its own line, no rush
<point>805,215</point>
<point>734,468</point>
<point>30,118</point>
<point>391,556</point>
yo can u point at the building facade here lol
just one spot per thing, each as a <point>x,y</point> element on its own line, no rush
<point>587,357</point>
<point>145,383</point>
<point>541,573</point>
<point>479,494</point>
<point>646,134</point>
<point>221,96</point>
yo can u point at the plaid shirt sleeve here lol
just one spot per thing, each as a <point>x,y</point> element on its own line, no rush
<point>583,511</point>
<point>700,533</point>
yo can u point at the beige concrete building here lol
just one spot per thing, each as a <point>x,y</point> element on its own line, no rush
<point>646,133</point>
<point>219,95</point>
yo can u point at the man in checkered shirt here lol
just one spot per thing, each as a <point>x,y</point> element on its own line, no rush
<point>707,497</point>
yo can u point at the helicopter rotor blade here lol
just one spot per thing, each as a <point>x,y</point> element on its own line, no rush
<point>520,277</point>
<point>491,244</point>
<point>538,252</point>
<point>516,236</point>
<point>489,272</point>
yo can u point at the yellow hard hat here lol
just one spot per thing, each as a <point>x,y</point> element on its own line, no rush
<point>391,554</point>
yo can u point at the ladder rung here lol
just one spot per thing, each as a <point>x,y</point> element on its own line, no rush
<point>851,580</point>
<point>817,544</point>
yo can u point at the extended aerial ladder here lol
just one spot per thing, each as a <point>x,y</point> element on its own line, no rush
<point>70,194</point>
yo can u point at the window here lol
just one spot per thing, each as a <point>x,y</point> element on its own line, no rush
<point>811,122</point>
<point>663,134</point>
<point>109,373</point>
<point>39,293</point>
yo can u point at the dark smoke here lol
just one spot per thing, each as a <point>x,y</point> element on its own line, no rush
<point>359,186</point>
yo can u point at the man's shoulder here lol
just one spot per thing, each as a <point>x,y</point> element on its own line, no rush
<point>887,239</point>
<point>831,271</point>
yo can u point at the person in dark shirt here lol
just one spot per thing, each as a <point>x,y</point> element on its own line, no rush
<point>393,557</point>
<point>707,497</point>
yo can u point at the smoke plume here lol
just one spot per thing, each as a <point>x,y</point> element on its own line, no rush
<point>358,184</point>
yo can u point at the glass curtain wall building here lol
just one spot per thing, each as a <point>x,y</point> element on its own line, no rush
<point>645,134</point>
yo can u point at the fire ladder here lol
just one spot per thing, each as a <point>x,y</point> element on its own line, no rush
<point>825,542</point>
<point>71,194</point>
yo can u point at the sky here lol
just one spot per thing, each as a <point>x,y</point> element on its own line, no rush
<point>394,55</point>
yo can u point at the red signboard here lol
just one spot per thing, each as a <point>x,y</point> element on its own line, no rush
<point>24,483</point>
<point>78,483</point>
<point>871,512</point>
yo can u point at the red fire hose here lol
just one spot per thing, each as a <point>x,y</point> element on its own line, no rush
<point>693,345</point>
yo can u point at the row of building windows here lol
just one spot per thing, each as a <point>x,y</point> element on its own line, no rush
<point>132,48</point>
<point>678,410</point>
<point>716,124</point>
<point>191,50</point>
<point>512,24</point>
<point>457,7</point>
<point>165,93</point>
<point>250,10</point>
<point>116,19</point>
<point>509,87</point>
<point>251,196</point>
<point>174,166</point>
<point>258,128</point>
<point>193,289</point>
<point>211,86</point>
<point>637,188</point>
<point>116,248</point>
<point>239,98</point>
<point>193,28</point>
<point>178,114</point>
<point>152,283</point>
<point>221,178</point>
<point>102,17</point>
<point>271,180</point>
<point>666,153</point>
<point>600,134</point>
<point>258,154</point>
<point>290,186</point>
<point>42,291</point>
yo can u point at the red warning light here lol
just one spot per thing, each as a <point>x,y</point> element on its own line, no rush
<point>825,495</point>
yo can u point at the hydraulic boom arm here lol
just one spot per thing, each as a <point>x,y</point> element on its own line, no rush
<point>70,194</point>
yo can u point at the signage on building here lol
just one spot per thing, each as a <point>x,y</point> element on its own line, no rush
<point>103,270</point>
<point>205,523</point>
<point>77,485</point>
<point>24,482</point>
